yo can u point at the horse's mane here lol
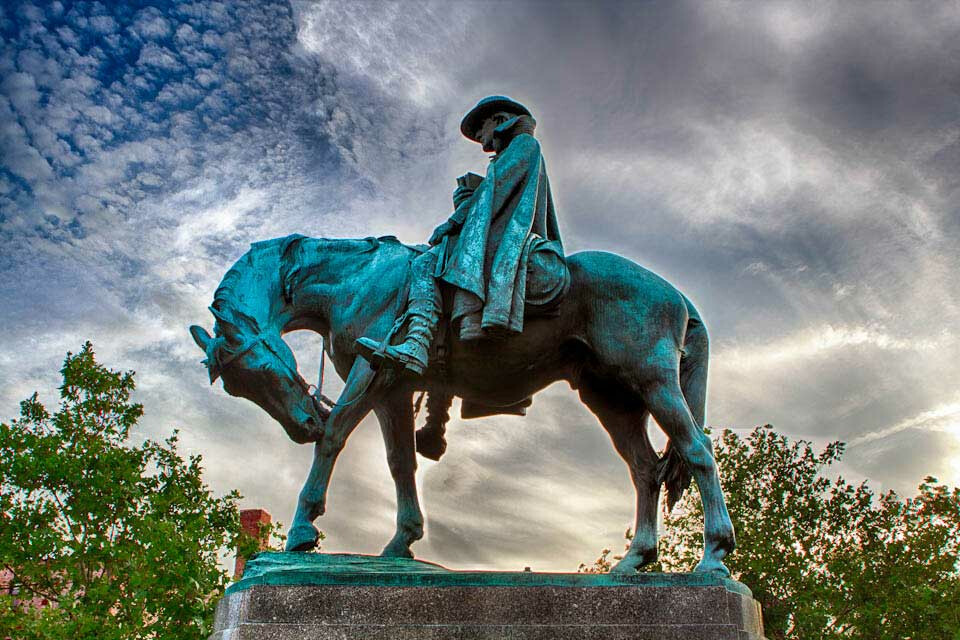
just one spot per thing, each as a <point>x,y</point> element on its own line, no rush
<point>236,281</point>
<point>284,256</point>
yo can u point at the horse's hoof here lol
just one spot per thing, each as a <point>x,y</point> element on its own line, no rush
<point>625,568</point>
<point>430,444</point>
<point>302,537</point>
<point>712,566</point>
<point>396,551</point>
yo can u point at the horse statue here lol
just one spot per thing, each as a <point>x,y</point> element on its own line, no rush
<point>628,341</point>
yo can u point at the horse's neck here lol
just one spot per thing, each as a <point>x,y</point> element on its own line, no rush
<point>329,282</point>
<point>249,294</point>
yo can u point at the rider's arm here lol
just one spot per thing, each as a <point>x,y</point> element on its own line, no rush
<point>452,224</point>
<point>462,197</point>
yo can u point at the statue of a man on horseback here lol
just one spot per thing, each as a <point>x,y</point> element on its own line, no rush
<point>483,252</point>
<point>631,344</point>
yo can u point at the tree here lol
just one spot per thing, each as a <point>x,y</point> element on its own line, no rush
<point>121,540</point>
<point>825,558</point>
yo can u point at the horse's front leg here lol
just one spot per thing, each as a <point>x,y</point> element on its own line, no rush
<point>356,400</point>
<point>396,422</point>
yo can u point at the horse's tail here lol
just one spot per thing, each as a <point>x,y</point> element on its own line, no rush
<point>671,470</point>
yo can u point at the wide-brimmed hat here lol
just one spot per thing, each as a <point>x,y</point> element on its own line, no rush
<point>486,108</point>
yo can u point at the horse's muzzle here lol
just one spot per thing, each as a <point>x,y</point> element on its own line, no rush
<point>305,426</point>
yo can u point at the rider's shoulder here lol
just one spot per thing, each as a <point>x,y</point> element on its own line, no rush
<point>523,145</point>
<point>525,141</point>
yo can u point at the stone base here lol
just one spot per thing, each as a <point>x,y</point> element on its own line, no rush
<point>347,597</point>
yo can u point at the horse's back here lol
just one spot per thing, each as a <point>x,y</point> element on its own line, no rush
<point>608,277</point>
<point>625,306</point>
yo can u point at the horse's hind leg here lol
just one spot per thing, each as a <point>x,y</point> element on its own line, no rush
<point>665,400</point>
<point>396,423</point>
<point>627,426</point>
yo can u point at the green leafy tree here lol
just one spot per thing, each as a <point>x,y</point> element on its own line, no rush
<point>826,558</point>
<point>117,540</point>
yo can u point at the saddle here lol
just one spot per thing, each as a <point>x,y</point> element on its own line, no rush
<point>547,283</point>
<point>548,278</point>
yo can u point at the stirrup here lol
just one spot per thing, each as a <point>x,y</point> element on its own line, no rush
<point>379,355</point>
<point>370,350</point>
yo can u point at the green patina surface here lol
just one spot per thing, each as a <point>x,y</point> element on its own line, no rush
<point>610,328</point>
<point>326,569</point>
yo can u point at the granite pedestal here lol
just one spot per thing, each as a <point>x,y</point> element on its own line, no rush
<point>306,596</point>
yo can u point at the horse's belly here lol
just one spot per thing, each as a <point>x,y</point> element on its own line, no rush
<point>505,392</point>
<point>503,373</point>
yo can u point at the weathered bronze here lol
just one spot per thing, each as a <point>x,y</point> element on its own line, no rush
<point>523,316</point>
<point>482,252</point>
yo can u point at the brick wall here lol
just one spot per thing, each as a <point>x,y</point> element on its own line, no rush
<point>251,520</point>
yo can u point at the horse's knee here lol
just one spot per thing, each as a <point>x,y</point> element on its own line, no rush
<point>703,442</point>
<point>329,447</point>
<point>402,471</point>
<point>706,442</point>
<point>697,452</point>
<point>703,459</point>
<point>401,462</point>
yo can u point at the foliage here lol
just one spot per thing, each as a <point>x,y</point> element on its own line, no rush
<point>122,540</point>
<point>606,560</point>
<point>826,558</point>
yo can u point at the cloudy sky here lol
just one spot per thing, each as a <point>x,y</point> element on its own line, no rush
<point>793,167</point>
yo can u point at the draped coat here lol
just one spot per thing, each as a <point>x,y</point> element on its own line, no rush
<point>486,261</point>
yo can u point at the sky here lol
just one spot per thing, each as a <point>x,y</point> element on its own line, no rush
<point>793,167</point>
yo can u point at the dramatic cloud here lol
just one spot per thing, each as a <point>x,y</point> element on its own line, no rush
<point>793,168</point>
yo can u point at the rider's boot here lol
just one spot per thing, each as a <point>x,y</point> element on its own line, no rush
<point>423,315</point>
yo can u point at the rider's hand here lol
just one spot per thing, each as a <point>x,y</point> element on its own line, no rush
<point>460,195</point>
<point>440,232</point>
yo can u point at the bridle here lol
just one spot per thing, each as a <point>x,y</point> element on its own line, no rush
<point>322,402</point>
<point>314,391</point>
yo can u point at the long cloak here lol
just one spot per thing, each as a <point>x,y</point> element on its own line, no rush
<point>487,260</point>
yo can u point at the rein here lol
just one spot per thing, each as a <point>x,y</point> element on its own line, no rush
<point>314,391</point>
<point>318,394</point>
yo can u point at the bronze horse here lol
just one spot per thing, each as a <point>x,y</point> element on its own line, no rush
<point>631,344</point>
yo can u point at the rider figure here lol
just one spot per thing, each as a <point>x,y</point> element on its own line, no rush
<point>483,248</point>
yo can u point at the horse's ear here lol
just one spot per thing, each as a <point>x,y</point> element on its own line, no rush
<point>234,325</point>
<point>201,337</point>
<point>203,340</point>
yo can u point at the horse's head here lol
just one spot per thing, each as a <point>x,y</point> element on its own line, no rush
<point>258,365</point>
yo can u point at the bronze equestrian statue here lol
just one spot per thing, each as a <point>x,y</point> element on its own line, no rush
<point>628,341</point>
